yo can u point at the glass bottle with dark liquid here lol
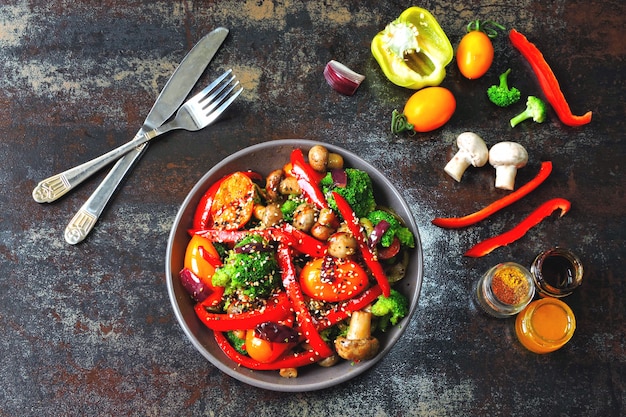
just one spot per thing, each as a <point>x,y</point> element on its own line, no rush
<point>557,272</point>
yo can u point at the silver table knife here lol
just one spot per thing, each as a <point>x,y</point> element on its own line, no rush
<point>171,97</point>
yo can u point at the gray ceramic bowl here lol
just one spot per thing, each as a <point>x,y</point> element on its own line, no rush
<point>263,158</point>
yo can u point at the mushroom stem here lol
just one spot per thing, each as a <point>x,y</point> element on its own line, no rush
<point>360,325</point>
<point>505,177</point>
<point>472,151</point>
<point>457,165</point>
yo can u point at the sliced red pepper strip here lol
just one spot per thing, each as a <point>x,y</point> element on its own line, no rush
<point>303,315</point>
<point>286,233</point>
<point>202,216</point>
<point>547,80</point>
<point>278,307</point>
<point>343,310</point>
<point>215,298</point>
<point>458,222</point>
<point>294,360</point>
<point>543,211</point>
<point>302,242</point>
<point>368,256</point>
<point>308,179</point>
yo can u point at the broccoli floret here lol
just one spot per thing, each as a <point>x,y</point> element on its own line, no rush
<point>289,206</point>
<point>390,309</point>
<point>358,192</point>
<point>250,272</point>
<point>535,109</point>
<point>396,229</point>
<point>237,342</point>
<point>502,95</point>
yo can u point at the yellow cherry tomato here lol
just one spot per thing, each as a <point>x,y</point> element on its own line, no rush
<point>349,280</point>
<point>474,55</point>
<point>196,262</point>
<point>426,110</point>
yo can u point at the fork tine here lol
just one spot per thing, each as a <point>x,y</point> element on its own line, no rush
<point>212,115</point>
<point>209,88</point>
<point>217,97</point>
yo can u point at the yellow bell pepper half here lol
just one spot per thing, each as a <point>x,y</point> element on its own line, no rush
<point>413,50</point>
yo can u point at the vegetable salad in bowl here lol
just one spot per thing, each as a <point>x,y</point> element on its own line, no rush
<point>294,265</point>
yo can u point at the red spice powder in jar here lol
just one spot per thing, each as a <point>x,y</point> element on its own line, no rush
<point>509,285</point>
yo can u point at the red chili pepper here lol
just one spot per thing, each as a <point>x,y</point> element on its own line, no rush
<point>277,308</point>
<point>543,211</point>
<point>202,216</point>
<point>303,315</point>
<point>547,80</point>
<point>368,256</point>
<point>342,311</point>
<point>308,179</point>
<point>458,222</point>
<point>294,360</point>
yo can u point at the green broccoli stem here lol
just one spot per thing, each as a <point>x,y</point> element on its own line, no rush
<point>504,79</point>
<point>526,114</point>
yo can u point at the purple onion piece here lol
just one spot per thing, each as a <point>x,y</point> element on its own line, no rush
<point>327,273</point>
<point>253,247</point>
<point>194,285</point>
<point>339,176</point>
<point>379,230</point>
<point>276,332</point>
<point>341,78</point>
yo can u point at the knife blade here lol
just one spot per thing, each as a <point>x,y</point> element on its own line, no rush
<point>169,100</point>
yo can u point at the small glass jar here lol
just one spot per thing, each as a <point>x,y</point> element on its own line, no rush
<point>545,325</point>
<point>557,272</point>
<point>505,290</point>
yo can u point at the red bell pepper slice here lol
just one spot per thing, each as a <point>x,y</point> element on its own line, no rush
<point>295,360</point>
<point>286,233</point>
<point>301,241</point>
<point>202,216</point>
<point>277,308</point>
<point>303,315</point>
<point>458,222</point>
<point>547,80</point>
<point>543,211</point>
<point>368,256</point>
<point>308,179</point>
<point>342,311</point>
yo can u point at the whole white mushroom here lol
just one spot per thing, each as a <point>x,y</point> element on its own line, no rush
<point>472,151</point>
<point>506,158</point>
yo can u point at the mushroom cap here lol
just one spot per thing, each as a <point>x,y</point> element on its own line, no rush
<point>474,147</point>
<point>508,153</point>
<point>357,349</point>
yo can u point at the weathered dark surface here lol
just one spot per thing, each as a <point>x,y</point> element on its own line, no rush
<point>88,330</point>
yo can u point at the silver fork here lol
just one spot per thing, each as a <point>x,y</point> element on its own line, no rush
<point>197,113</point>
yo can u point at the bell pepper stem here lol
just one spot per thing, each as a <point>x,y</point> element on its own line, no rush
<point>400,124</point>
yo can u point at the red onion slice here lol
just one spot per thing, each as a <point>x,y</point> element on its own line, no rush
<point>378,232</point>
<point>194,285</point>
<point>276,332</point>
<point>341,78</point>
<point>339,176</point>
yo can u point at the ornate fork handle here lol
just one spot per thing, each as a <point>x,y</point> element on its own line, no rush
<point>86,217</point>
<point>58,185</point>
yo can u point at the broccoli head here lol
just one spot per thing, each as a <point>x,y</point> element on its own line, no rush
<point>250,269</point>
<point>502,95</point>
<point>358,191</point>
<point>396,229</point>
<point>237,342</point>
<point>535,109</point>
<point>289,206</point>
<point>390,309</point>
